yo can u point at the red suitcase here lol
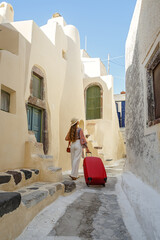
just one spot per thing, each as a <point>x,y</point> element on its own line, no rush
<point>94,171</point>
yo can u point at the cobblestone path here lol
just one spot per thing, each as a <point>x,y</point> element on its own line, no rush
<point>89,213</point>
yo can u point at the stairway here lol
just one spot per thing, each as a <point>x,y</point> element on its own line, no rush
<point>35,158</point>
<point>93,146</point>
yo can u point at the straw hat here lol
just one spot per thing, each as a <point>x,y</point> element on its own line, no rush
<point>73,121</point>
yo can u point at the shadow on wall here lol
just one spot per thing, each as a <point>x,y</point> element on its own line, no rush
<point>9,38</point>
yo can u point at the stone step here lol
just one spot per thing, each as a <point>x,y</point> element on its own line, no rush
<point>101,153</point>
<point>49,157</point>
<point>32,199</point>
<point>98,147</point>
<point>9,201</point>
<point>52,174</point>
<point>87,135</point>
<point>17,178</point>
<point>54,169</point>
<point>35,193</point>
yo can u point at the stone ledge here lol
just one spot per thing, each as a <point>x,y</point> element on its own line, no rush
<point>97,147</point>
<point>69,186</point>
<point>16,175</point>
<point>54,169</point>
<point>27,173</point>
<point>5,178</point>
<point>33,198</point>
<point>13,179</point>
<point>9,201</point>
<point>36,192</point>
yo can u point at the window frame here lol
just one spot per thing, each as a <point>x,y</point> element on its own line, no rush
<point>150,68</point>
<point>39,79</point>
<point>5,94</point>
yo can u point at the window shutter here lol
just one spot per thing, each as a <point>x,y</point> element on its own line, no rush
<point>5,101</point>
<point>156,80</point>
<point>93,103</point>
<point>37,87</point>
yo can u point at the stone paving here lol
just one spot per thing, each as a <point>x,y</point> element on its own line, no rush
<point>88,213</point>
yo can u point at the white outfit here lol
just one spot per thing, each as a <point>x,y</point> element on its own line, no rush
<point>76,153</point>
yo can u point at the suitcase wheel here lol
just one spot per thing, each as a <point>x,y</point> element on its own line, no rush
<point>103,184</point>
<point>105,179</point>
<point>90,179</point>
<point>87,184</point>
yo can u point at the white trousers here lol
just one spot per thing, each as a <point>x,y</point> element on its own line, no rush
<point>76,153</point>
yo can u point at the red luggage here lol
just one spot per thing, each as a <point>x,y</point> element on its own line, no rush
<point>94,171</point>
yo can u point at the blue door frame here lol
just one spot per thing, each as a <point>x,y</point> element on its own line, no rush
<point>34,116</point>
<point>123,114</point>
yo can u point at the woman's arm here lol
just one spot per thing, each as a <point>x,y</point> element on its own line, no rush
<point>83,141</point>
<point>67,138</point>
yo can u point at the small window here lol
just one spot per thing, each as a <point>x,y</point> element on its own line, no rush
<point>153,87</point>
<point>5,101</point>
<point>37,86</point>
<point>156,86</point>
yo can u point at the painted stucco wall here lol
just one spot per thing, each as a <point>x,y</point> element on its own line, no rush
<point>143,142</point>
<point>72,101</point>
<point>13,125</point>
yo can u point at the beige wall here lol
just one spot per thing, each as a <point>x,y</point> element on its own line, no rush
<point>72,101</point>
<point>13,125</point>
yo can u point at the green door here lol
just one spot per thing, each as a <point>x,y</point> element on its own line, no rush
<point>34,116</point>
<point>93,103</point>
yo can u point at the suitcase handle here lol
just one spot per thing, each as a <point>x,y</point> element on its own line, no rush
<point>88,153</point>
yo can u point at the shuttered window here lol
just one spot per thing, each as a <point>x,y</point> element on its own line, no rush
<point>34,116</point>
<point>5,101</point>
<point>37,86</point>
<point>93,103</point>
<point>156,81</point>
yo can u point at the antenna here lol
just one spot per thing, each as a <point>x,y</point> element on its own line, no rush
<point>85,43</point>
<point>108,65</point>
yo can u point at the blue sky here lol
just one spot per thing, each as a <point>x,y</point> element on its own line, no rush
<point>104,22</point>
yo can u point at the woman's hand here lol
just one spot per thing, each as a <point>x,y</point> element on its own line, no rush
<point>87,150</point>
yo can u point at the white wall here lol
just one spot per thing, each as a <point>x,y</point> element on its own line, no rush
<point>142,141</point>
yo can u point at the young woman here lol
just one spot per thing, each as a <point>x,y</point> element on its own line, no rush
<point>77,140</point>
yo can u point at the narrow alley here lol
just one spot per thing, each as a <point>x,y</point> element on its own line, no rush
<point>88,213</point>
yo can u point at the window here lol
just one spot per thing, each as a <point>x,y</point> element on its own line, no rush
<point>153,88</point>
<point>5,101</point>
<point>93,103</point>
<point>37,86</point>
<point>156,85</point>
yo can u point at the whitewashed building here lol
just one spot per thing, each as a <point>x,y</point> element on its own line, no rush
<point>143,93</point>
